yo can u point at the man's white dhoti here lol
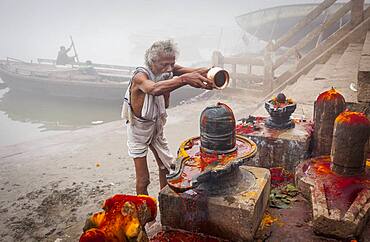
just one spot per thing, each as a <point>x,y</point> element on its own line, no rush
<point>148,130</point>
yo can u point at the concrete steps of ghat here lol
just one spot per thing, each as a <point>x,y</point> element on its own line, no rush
<point>339,71</point>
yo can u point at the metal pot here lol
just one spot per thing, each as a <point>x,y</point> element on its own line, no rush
<point>219,76</point>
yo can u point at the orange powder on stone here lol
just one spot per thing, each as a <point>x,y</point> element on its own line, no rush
<point>355,118</point>
<point>330,95</point>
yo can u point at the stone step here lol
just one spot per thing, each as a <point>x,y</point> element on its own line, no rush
<point>346,71</point>
<point>305,91</point>
<point>364,72</point>
<point>317,80</point>
<point>346,68</point>
<point>328,68</point>
<point>338,72</point>
<point>316,69</point>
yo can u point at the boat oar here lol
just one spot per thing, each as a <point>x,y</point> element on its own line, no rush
<point>74,49</point>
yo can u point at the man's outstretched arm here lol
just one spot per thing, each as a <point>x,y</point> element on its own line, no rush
<point>180,70</point>
<point>193,79</point>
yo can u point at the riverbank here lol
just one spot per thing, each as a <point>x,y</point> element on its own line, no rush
<point>49,186</point>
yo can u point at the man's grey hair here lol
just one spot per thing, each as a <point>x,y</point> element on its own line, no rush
<point>158,49</point>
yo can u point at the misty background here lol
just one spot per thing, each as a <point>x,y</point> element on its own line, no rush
<point>119,31</point>
<point>109,32</point>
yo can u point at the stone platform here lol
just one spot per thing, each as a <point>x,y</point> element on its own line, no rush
<point>340,205</point>
<point>234,215</point>
<point>278,148</point>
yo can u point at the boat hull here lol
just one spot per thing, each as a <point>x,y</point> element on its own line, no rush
<point>79,89</point>
<point>272,23</point>
<point>63,88</point>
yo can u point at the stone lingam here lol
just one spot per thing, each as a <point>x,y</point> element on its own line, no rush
<point>210,190</point>
<point>338,185</point>
<point>328,106</point>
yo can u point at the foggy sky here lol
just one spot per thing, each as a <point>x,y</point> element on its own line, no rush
<point>106,31</point>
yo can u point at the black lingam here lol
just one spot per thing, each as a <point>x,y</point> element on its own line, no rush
<point>217,129</point>
<point>213,158</point>
<point>280,110</point>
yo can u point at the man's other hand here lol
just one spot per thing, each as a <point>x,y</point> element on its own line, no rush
<point>196,80</point>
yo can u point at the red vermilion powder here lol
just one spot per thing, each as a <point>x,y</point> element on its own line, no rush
<point>330,95</point>
<point>354,118</point>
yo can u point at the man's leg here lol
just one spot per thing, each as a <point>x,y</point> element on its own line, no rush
<point>161,169</point>
<point>142,175</point>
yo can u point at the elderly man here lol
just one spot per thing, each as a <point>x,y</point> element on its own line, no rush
<point>144,108</point>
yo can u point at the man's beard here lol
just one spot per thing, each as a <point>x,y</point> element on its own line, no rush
<point>163,76</point>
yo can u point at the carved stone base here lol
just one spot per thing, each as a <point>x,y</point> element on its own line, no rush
<point>234,216</point>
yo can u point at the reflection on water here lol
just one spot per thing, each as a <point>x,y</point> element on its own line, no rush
<point>24,116</point>
<point>56,113</point>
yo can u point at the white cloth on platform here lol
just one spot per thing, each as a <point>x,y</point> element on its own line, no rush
<point>147,130</point>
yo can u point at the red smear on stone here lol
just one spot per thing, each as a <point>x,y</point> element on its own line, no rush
<point>330,95</point>
<point>244,129</point>
<point>119,199</point>
<point>247,128</point>
<point>93,235</point>
<point>258,128</point>
<point>110,224</point>
<point>183,236</point>
<point>226,106</point>
<point>280,176</point>
<point>204,120</point>
<point>323,168</point>
<point>354,118</point>
<point>208,159</point>
<point>192,201</point>
<point>340,191</point>
<point>309,127</point>
<point>200,162</point>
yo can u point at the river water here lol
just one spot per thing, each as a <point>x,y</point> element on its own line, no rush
<point>25,116</point>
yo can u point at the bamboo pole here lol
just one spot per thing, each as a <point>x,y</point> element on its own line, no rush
<point>74,49</point>
<point>336,40</point>
<point>313,34</point>
<point>321,34</point>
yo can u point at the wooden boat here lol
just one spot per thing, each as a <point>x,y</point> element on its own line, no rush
<point>93,81</point>
<point>271,23</point>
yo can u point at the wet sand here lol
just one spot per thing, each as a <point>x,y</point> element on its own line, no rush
<point>49,186</point>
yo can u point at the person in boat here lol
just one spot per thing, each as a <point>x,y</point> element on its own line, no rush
<point>145,103</point>
<point>63,58</point>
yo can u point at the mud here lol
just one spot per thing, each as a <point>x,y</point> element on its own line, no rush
<point>49,186</point>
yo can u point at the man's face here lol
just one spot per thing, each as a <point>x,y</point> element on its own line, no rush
<point>164,64</point>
